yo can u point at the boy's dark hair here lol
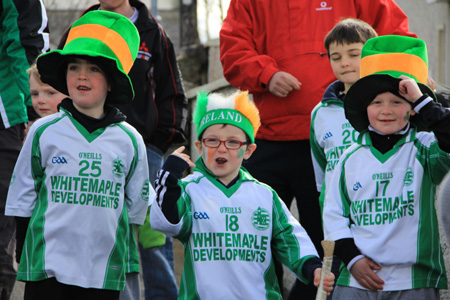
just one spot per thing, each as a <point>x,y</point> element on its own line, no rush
<point>349,31</point>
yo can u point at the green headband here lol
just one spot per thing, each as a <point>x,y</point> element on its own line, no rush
<point>237,110</point>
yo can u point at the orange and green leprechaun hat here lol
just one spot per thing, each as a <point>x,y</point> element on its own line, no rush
<point>383,60</point>
<point>109,39</point>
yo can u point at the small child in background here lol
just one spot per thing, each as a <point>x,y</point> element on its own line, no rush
<point>44,97</point>
<point>229,223</point>
<point>331,133</point>
<point>380,205</point>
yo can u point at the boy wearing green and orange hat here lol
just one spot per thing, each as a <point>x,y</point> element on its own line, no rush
<point>82,175</point>
<point>229,223</point>
<point>379,207</point>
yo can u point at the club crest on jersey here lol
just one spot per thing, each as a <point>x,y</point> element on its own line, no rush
<point>145,191</point>
<point>118,165</point>
<point>261,219</point>
<point>409,177</point>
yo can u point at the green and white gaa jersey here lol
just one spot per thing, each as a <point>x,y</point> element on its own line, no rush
<point>81,190</point>
<point>230,235</point>
<point>331,133</point>
<point>385,202</point>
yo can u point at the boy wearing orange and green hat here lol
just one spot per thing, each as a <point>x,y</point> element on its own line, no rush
<point>229,223</point>
<point>379,207</point>
<point>82,175</point>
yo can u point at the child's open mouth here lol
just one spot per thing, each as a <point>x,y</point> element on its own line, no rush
<point>221,161</point>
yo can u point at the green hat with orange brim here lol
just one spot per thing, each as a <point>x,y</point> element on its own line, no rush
<point>106,38</point>
<point>383,60</point>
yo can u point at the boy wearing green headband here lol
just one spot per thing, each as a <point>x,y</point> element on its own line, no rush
<point>379,207</point>
<point>82,175</point>
<point>229,223</point>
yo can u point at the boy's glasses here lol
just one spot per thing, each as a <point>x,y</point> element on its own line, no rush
<point>229,144</point>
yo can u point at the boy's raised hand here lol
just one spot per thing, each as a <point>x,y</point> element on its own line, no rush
<point>409,89</point>
<point>328,281</point>
<point>179,152</point>
<point>364,272</point>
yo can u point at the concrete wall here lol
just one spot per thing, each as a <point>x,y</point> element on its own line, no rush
<point>430,20</point>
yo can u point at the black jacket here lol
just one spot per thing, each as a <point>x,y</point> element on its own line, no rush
<point>159,110</point>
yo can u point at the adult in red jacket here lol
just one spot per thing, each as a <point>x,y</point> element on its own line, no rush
<point>274,49</point>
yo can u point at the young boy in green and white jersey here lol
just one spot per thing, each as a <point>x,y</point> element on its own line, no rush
<point>330,132</point>
<point>82,175</point>
<point>379,207</point>
<point>229,223</point>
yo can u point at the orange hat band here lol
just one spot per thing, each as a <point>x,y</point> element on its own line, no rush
<point>398,62</point>
<point>109,37</point>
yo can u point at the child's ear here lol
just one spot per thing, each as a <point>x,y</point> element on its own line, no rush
<point>198,144</point>
<point>412,112</point>
<point>250,149</point>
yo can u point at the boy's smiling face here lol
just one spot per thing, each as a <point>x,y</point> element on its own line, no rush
<point>88,86</point>
<point>345,62</point>
<point>223,162</point>
<point>389,113</point>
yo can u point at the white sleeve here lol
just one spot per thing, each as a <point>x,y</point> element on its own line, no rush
<point>26,179</point>
<point>317,152</point>
<point>159,222</point>
<point>138,190</point>
<point>336,211</point>
<point>318,172</point>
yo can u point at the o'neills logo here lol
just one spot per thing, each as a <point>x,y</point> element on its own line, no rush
<point>230,116</point>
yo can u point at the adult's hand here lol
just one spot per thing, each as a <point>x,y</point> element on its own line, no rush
<point>282,83</point>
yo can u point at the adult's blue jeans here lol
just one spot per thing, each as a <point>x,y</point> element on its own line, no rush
<point>157,263</point>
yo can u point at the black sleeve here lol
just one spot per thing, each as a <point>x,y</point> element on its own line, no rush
<point>170,96</point>
<point>309,266</point>
<point>32,115</point>
<point>21,232</point>
<point>33,27</point>
<point>63,39</point>
<point>167,189</point>
<point>437,119</point>
<point>346,250</point>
